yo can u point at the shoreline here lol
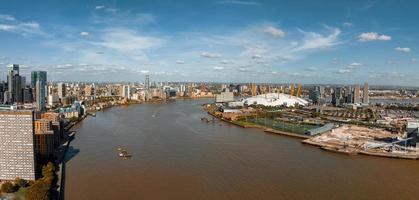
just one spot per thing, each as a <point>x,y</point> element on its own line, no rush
<point>325,147</point>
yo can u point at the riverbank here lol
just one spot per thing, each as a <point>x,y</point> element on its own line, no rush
<point>359,144</point>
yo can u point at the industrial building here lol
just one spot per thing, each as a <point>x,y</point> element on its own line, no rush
<point>224,97</point>
<point>319,130</point>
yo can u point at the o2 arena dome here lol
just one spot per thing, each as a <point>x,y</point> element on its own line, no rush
<point>274,99</point>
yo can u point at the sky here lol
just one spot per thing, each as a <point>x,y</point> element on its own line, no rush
<point>295,41</point>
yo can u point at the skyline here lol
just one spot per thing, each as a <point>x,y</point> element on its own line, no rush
<point>219,41</point>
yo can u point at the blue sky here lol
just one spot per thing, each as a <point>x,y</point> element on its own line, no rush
<point>222,40</point>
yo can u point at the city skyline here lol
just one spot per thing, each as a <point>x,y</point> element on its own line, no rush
<point>220,41</point>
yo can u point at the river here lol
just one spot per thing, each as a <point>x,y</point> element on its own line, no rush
<point>178,156</point>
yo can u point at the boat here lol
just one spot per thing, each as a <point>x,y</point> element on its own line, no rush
<point>123,153</point>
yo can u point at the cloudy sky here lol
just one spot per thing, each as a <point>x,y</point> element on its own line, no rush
<point>222,40</point>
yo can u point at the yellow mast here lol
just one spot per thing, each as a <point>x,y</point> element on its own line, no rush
<point>292,90</point>
<point>278,90</point>
<point>299,90</point>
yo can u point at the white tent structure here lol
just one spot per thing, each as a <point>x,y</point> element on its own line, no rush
<point>274,99</point>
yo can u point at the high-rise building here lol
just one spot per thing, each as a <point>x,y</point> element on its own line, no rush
<point>337,96</point>
<point>17,156</point>
<point>356,94</point>
<point>61,90</point>
<point>15,85</point>
<point>147,82</point>
<point>366,95</point>
<point>39,81</point>
<point>126,92</point>
<point>40,95</point>
<point>314,94</point>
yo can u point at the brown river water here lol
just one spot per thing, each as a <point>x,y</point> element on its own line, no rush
<point>178,156</point>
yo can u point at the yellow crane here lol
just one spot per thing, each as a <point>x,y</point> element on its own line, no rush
<point>278,89</point>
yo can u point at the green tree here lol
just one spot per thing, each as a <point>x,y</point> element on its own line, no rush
<point>8,187</point>
<point>21,182</point>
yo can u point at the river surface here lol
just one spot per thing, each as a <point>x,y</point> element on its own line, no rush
<point>178,156</point>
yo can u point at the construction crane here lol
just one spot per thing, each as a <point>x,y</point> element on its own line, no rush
<point>278,90</point>
<point>298,90</point>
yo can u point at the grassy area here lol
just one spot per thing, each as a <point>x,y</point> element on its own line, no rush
<point>299,128</point>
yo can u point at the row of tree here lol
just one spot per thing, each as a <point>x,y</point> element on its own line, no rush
<point>33,190</point>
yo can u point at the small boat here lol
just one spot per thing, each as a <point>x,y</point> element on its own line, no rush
<point>153,115</point>
<point>124,154</point>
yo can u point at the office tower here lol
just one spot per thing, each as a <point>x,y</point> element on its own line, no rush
<point>27,95</point>
<point>40,95</point>
<point>38,75</point>
<point>2,90</point>
<point>337,96</point>
<point>17,156</point>
<point>39,81</point>
<point>15,83</point>
<point>147,82</point>
<point>314,94</point>
<point>356,94</point>
<point>366,95</point>
<point>61,89</point>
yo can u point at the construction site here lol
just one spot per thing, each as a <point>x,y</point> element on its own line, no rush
<point>352,139</point>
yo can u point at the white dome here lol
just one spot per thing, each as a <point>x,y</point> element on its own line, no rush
<point>272,99</point>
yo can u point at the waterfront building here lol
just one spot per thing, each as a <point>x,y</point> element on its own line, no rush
<point>17,155</point>
<point>126,91</point>
<point>274,99</point>
<point>366,96</point>
<point>357,94</point>
<point>224,97</point>
<point>147,82</point>
<point>44,138</point>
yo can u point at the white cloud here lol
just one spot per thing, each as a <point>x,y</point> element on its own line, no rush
<point>256,56</point>
<point>237,2</point>
<point>314,40</point>
<point>274,31</point>
<point>144,71</point>
<point>353,65</point>
<point>414,59</point>
<point>347,24</point>
<point>23,28</point>
<point>126,40</point>
<point>7,17</point>
<point>373,36</point>
<point>344,71</point>
<point>100,7</point>
<point>403,49</point>
<point>218,67</point>
<point>210,55</point>
<point>84,34</point>
<point>180,62</point>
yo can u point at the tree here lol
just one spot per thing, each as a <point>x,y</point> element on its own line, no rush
<point>8,187</point>
<point>40,189</point>
<point>21,182</point>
